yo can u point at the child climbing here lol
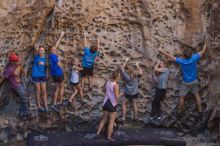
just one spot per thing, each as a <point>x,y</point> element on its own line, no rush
<point>189,83</point>
<point>58,76</point>
<point>110,104</point>
<point>161,74</point>
<point>131,77</point>
<point>75,80</point>
<point>39,73</point>
<point>88,61</point>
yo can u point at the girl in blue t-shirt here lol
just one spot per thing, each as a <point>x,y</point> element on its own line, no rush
<point>39,79</point>
<point>56,72</point>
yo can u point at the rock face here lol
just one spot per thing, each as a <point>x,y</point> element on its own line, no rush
<point>126,28</point>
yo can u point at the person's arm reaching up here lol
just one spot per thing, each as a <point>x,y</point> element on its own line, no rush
<point>201,53</point>
<point>125,63</point>
<point>167,55</point>
<point>155,77</point>
<point>58,41</point>
<point>157,68</point>
<point>139,69</point>
<point>78,68</point>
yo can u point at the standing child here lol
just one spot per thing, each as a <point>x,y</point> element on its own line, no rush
<point>110,104</point>
<point>131,78</point>
<point>58,75</point>
<point>75,80</point>
<point>161,78</point>
<point>88,61</point>
<point>39,78</point>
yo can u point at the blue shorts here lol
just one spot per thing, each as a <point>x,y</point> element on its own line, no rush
<point>41,79</point>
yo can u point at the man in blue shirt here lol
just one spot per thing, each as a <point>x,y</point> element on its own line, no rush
<point>88,61</point>
<point>189,83</point>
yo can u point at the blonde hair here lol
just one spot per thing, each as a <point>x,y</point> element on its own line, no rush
<point>131,71</point>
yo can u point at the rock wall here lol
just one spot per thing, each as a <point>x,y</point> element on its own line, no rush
<point>126,28</point>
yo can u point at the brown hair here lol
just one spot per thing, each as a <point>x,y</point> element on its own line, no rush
<point>50,48</point>
<point>115,75</point>
<point>187,51</point>
<point>93,48</point>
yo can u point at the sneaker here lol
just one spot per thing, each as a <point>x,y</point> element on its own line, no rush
<point>92,136</point>
<point>43,110</point>
<point>40,109</point>
<point>157,121</point>
<point>149,120</point>
<point>110,139</point>
<point>54,107</point>
<point>66,102</point>
<point>59,106</point>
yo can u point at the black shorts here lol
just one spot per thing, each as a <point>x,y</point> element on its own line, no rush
<point>131,97</point>
<point>87,71</point>
<point>109,107</point>
<point>160,93</point>
<point>74,84</point>
<point>58,79</point>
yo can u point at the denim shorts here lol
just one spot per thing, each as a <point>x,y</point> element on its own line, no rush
<point>41,79</point>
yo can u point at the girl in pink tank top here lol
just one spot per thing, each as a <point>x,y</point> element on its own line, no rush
<point>110,104</point>
<point>109,93</point>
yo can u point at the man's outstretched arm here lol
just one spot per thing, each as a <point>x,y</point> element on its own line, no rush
<point>201,53</point>
<point>167,55</point>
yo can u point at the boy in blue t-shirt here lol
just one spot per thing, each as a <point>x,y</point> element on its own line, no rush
<point>189,72</point>
<point>88,61</point>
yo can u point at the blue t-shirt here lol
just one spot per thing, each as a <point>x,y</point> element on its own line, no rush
<point>189,67</point>
<point>39,66</point>
<point>88,58</point>
<point>55,69</point>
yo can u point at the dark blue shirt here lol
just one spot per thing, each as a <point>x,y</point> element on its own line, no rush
<point>55,69</point>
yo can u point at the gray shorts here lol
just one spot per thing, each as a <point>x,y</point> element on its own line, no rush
<point>185,88</point>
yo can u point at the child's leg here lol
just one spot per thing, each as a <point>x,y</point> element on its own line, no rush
<point>83,81</point>
<point>112,117</point>
<point>61,92</point>
<point>73,95</point>
<point>80,91</point>
<point>91,82</point>
<point>124,109</point>
<point>135,108</point>
<point>103,121</point>
<point>44,93</point>
<point>56,94</point>
<point>37,86</point>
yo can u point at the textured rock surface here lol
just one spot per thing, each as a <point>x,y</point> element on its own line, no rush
<point>126,28</point>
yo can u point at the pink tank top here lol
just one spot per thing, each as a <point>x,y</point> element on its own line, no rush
<point>109,93</point>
